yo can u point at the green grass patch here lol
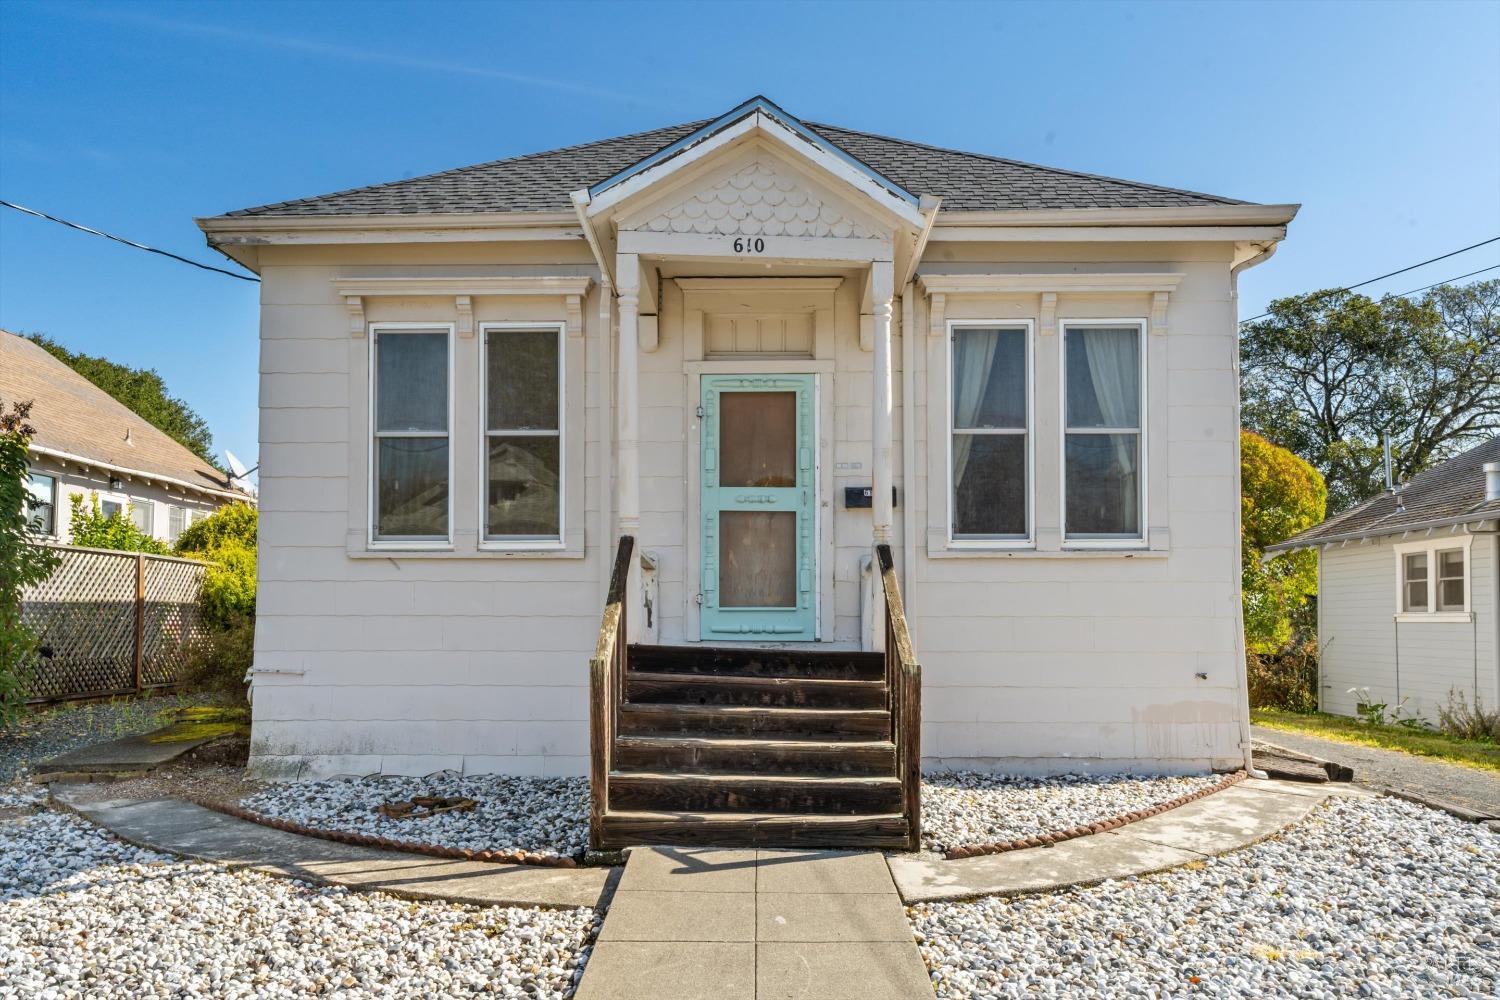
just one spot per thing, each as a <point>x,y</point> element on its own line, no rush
<point>206,722</point>
<point>1422,742</point>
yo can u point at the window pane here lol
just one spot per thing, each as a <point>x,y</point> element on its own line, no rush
<point>412,488</point>
<point>1416,595</point>
<point>143,515</point>
<point>758,559</point>
<point>110,508</point>
<point>989,378</point>
<point>524,487</point>
<point>41,512</point>
<point>522,379</point>
<point>1416,566</point>
<point>1103,376</point>
<point>176,521</point>
<point>411,388</point>
<point>989,485</point>
<point>1103,487</point>
<point>1450,595</point>
<point>1451,564</point>
<point>758,439</point>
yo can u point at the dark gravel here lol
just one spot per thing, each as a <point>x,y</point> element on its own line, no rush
<point>49,731</point>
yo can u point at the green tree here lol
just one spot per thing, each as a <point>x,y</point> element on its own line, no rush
<point>1328,375</point>
<point>1280,495</point>
<point>22,563</point>
<point>226,541</point>
<point>143,390</point>
<point>94,529</point>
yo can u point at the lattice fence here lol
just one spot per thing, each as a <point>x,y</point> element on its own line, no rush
<point>112,623</point>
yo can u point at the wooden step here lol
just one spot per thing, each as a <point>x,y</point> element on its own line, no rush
<point>627,828</point>
<point>801,661</point>
<point>750,689</point>
<point>846,723</point>
<point>724,755</point>
<point>829,795</point>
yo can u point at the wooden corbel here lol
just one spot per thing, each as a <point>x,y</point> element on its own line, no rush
<point>937,315</point>
<point>1049,313</point>
<point>1159,312</point>
<point>355,304</point>
<point>575,315</point>
<point>465,306</point>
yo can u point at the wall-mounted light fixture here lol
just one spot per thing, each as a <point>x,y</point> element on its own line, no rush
<point>114,483</point>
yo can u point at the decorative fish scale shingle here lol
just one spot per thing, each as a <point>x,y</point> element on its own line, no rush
<point>541,182</point>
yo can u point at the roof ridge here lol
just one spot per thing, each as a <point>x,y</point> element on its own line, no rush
<point>474,166</point>
<point>1142,185</point>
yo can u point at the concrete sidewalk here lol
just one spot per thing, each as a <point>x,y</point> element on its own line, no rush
<point>710,924</point>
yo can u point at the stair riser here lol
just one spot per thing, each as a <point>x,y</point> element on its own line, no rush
<point>758,662</point>
<point>706,760</point>
<point>688,797</point>
<point>872,836</point>
<point>724,691</point>
<point>634,722</point>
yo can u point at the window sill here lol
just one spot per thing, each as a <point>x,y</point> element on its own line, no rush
<point>1434,616</point>
<point>479,553</point>
<point>996,552</point>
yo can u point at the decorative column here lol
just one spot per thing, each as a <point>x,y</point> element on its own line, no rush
<point>628,466</point>
<point>882,288</point>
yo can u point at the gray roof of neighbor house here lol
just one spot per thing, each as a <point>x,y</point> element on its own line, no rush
<point>74,417</point>
<point>542,182</point>
<point>1450,493</point>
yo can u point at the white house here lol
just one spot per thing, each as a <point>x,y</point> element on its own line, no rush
<point>1409,591</point>
<point>756,348</point>
<point>88,444</point>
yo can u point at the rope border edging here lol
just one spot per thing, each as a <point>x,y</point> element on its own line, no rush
<point>1101,826</point>
<point>517,857</point>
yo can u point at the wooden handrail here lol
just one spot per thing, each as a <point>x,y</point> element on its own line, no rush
<point>903,677</point>
<point>606,684</point>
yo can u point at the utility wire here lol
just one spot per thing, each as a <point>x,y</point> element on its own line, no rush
<point>1413,267</point>
<point>1450,281</point>
<point>121,239</point>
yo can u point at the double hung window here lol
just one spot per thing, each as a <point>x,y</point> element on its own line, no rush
<point>1103,451</point>
<point>990,444</point>
<point>1434,579</point>
<point>523,440</point>
<point>410,393</point>
<point>41,512</point>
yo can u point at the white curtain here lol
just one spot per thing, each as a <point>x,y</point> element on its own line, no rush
<point>973,357</point>
<point>1114,371</point>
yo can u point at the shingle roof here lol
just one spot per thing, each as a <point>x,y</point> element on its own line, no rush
<point>541,182</point>
<point>1450,491</point>
<point>74,416</point>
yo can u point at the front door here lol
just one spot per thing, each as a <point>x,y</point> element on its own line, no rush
<point>758,507</point>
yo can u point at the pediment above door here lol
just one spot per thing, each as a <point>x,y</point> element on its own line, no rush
<point>761,198</point>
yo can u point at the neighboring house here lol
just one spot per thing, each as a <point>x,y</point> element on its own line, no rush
<point>88,442</point>
<point>1409,591</point>
<point>758,347</point>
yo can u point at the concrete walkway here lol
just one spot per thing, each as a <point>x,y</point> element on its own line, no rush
<point>189,831</point>
<point>127,756</point>
<point>1237,817</point>
<point>707,924</point>
<point>1475,792</point>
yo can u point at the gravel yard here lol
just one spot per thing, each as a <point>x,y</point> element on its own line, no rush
<point>47,732</point>
<point>84,915</point>
<point>961,808</point>
<point>543,815</point>
<point>1368,898</point>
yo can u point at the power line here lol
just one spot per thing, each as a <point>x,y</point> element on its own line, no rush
<point>1450,281</point>
<point>1392,274</point>
<point>121,239</point>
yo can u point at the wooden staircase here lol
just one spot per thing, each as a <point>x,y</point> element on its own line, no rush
<point>745,746</point>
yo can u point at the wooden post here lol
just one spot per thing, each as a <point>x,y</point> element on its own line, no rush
<point>140,622</point>
<point>881,290</point>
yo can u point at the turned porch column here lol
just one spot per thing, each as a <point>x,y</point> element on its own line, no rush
<point>882,288</point>
<point>628,463</point>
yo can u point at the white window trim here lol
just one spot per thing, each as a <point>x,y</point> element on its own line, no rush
<point>372,472</point>
<point>503,543</point>
<point>993,544</point>
<point>56,515</point>
<point>1432,546</point>
<point>1141,430</point>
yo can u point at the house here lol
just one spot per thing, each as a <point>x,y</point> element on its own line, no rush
<point>1409,592</point>
<point>89,443</point>
<point>716,376</point>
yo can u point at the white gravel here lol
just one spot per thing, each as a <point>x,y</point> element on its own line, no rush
<point>84,915</point>
<point>543,815</point>
<point>965,808</point>
<point>1367,898</point>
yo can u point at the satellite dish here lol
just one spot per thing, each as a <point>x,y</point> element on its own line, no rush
<point>238,474</point>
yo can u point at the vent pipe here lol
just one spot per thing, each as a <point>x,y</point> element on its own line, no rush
<point>1491,481</point>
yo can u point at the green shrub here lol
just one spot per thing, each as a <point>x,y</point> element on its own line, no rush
<point>235,522</point>
<point>1286,680</point>
<point>217,662</point>
<point>225,540</point>
<point>22,563</point>
<point>1476,723</point>
<point>92,529</point>
<point>228,585</point>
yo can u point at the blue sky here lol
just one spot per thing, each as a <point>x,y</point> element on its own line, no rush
<point>1383,120</point>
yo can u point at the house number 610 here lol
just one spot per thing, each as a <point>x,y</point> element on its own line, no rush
<point>743,245</point>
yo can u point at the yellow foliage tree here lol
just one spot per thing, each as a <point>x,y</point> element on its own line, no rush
<point>1280,495</point>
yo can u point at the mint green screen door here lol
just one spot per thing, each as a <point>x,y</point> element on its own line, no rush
<point>758,507</point>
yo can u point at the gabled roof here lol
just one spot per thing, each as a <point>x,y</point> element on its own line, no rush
<point>542,182</point>
<point>1450,493</point>
<point>75,418</point>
